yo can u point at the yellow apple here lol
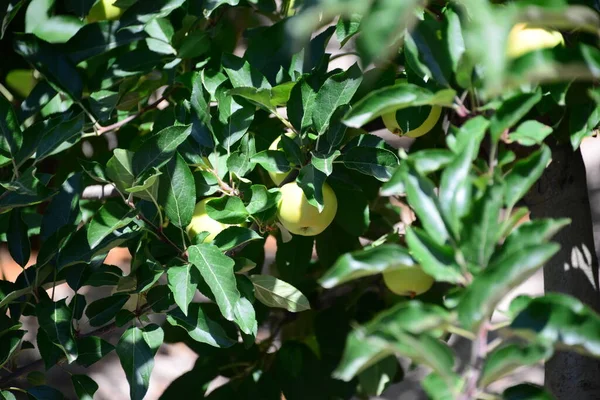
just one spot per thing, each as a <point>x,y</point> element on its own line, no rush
<point>21,81</point>
<point>104,10</point>
<point>300,217</point>
<point>522,39</point>
<point>201,222</point>
<point>278,177</point>
<point>408,281</point>
<point>412,122</point>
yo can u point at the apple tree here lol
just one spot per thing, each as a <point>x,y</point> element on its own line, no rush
<point>273,228</point>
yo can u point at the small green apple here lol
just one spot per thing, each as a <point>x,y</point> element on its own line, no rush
<point>408,280</point>
<point>201,222</point>
<point>412,122</point>
<point>300,217</point>
<point>104,10</point>
<point>278,177</point>
<point>522,40</point>
<point>21,81</point>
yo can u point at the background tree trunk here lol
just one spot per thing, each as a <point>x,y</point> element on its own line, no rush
<point>562,192</point>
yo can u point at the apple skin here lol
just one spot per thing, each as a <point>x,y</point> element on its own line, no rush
<point>201,222</point>
<point>299,217</point>
<point>21,81</point>
<point>278,177</point>
<point>408,280</point>
<point>104,10</point>
<point>390,120</point>
<point>522,40</point>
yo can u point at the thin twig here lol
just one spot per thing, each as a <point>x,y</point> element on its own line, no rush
<point>100,130</point>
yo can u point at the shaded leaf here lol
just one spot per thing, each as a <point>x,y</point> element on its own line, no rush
<point>274,292</point>
<point>200,327</point>
<point>362,263</point>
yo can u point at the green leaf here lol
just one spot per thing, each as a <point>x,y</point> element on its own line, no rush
<point>259,96</point>
<point>217,271</point>
<point>63,209</point>
<point>481,228</point>
<point>272,160</point>
<point>52,29</point>
<point>200,327</point>
<point>158,150</point>
<point>499,278</point>
<point>560,320</point>
<point>5,394</point>
<point>92,349</point>
<point>242,74</point>
<point>235,236</point>
<point>530,133</point>
<point>413,317</point>
<point>526,391</point>
<point>55,319</point>
<point>505,359</point>
<point>99,38</point>
<point>140,13</point>
<point>227,210</point>
<point>136,350</point>
<point>8,14</point>
<point>84,386</point>
<point>161,32</point>
<point>274,292</point>
<point>183,282</point>
<point>112,216</point>
<point>9,344</point>
<point>301,105</point>
<point>435,259</point>
<point>102,311</point>
<point>336,91</point>
<point>423,200</point>
<point>311,182</point>
<point>361,352</point>
<point>512,111</point>
<point>373,161</point>
<point>530,233</point>
<point>60,138</point>
<point>455,185</point>
<point>363,263</point>
<point>472,131</point>
<point>427,52</point>
<point>524,174</point>
<point>325,163</point>
<point>11,136</point>
<point>44,392</point>
<point>382,26</point>
<point>262,199</point>
<point>78,305</point>
<point>53,64</point>
<point>424,161</point>
<point>392,98</point>
<point>437,388</point>
<point>375,379</point>
<point>211,5</point>
<point>178,192</point>
<point>18,241</point>
<point>346,28</point>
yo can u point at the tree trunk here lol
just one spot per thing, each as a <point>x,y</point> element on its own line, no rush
<point>562,192</point>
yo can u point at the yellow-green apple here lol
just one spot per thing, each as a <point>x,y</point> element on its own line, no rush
<point>407,280</point>
<point>523,39</point>
<point>300,217</point>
